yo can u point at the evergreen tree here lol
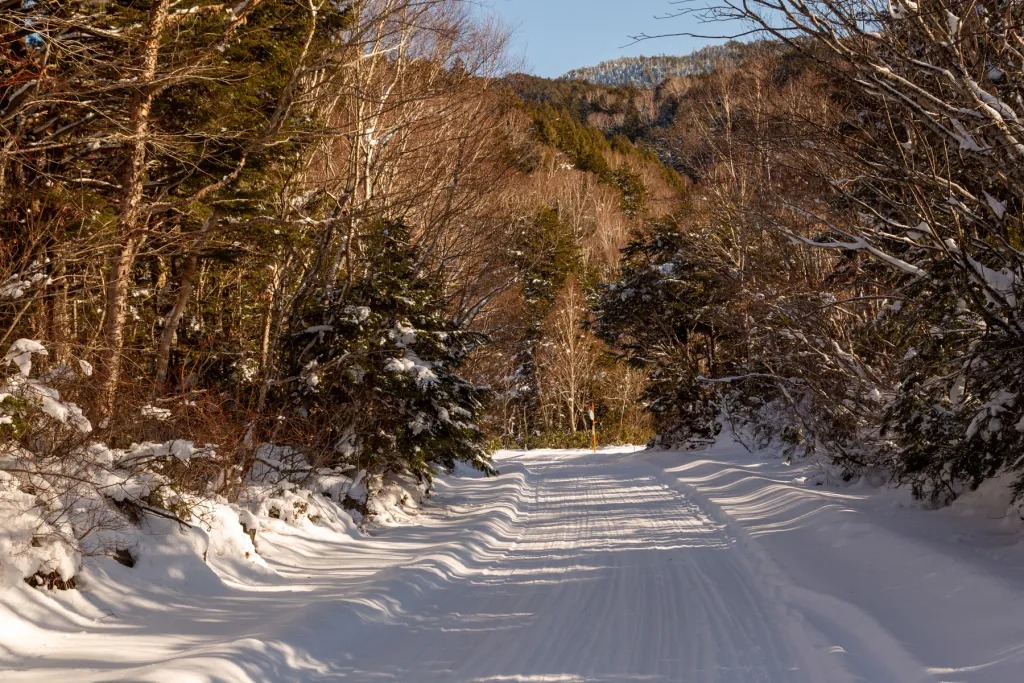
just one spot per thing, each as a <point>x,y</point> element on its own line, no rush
<point>381,373</point>
<point>657,314</point>
<point>546,255</point>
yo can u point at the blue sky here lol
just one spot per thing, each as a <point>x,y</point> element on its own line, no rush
<point>554,36</point>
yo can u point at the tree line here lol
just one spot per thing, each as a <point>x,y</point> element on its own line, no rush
<point>338,228</point>
<point>332,228</point>
<point>847,275</point>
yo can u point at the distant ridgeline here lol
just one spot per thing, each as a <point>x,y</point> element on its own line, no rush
<point>648,72</point>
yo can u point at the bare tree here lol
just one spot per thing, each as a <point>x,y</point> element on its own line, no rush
<point>925,168</point>
<point>567,363</point>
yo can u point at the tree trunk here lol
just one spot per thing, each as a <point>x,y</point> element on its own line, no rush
<point>113,327</point>
<point>188,279</point>
<point>131,217</point>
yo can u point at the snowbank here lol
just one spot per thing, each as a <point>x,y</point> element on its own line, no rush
<point>69,499</point>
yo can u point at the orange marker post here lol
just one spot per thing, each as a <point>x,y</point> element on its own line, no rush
<point>593,425</point>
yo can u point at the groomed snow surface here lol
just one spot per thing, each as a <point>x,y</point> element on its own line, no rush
<point>715,566</point>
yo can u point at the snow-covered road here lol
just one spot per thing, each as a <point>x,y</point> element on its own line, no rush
<point>692,567</point>
<point>604,574</point>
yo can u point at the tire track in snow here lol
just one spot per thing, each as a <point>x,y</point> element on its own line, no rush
<point>730,645</point>
<point>569,567</point>
<point>616,577</point>
<point>834,637</point>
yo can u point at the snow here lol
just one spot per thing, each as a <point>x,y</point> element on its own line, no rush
<point>953,21</point>
<point>45,398</point>
<point>998,207</point>
<point>956,391</point>
<point>359,313</point>
<point>1001,282</point>
<point>987,419</point>
<point>718,565</point>
<point>403,335</point>
<point>16,286</point>
<point>20,354</point>
<point>61,411</point>
<point>23,523</point>
<point>180,449</point>
<point>155,412</point>
<point>411,364</point>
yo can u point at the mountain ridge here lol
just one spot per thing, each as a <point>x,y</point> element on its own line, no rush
<point>649,72</point>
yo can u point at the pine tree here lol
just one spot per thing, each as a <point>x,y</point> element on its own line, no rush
<point>657,315</point>
<point>381,372</point>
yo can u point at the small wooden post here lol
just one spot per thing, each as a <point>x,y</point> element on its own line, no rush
<point>593,425</point>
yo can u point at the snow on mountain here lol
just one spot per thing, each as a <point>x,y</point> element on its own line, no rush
<point>648,72</point>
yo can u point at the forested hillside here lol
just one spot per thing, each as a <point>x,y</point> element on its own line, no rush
<point>257,252</point>
<point>845,275</point>
<point>250,245</point>
<point>649,72</point>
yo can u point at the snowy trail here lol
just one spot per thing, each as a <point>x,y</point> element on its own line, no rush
<point>697,568</point>
<point>611,577</point>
